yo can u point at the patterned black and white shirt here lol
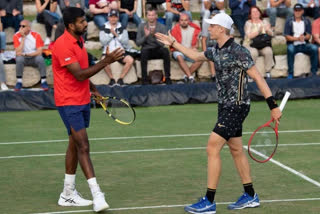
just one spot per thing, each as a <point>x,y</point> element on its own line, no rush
<point>231,62</point>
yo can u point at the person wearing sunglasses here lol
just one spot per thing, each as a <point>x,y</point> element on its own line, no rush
<point>28,46</point>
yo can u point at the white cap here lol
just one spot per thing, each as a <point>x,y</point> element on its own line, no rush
<point>221,19</point>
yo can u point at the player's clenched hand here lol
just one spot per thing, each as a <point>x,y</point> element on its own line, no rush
<point>276,114</point>
<point>115,55</point>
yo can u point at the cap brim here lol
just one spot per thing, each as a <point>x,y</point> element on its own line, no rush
<point>210,21</point>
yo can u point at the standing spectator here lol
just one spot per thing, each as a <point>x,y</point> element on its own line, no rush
<point>297,31</point>
<point>316,35</point>
<point>281,8</point>
<point>2,76</point>
<point>47,15</point>
<point>114,36</point>
<point>128,9</point>
<point>100,10</point>
<point>254,27</point>
<point>187,34</point>
<point>311,8</point>
<point>173,10</point>
<point>2,39</point>
<point>28,46</point>
<point>150,47</point>
<point>12,13</point>
<point>240,12</point>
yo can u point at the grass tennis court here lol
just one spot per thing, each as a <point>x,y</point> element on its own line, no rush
<point>158,164</point>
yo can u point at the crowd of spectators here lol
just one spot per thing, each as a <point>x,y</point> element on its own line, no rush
<point>112,17</point>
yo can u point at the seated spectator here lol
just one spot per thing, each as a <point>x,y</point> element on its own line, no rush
<point>2,39</point>
<point>240,12</point>
<point>114,36</point>
<point>151,48</point>
<point>316,35</point>
<point>11,12</point>
<point>2,76</point>
<point>254,27</point>
<point>311,8</point>
<point>173,10</point>
<point>281,8</point>
<point>47,15</point>
<point>187,34</point>
<point>73,3</point>
<point>128,10</point>
<point>298,32</point>
<point>100,10</point>
<point>28,46</point>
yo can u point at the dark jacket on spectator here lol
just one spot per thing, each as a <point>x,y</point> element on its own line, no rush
<point>235,7</point>
<point>288,28</point>
<point>9,5</point>
<point>149,41</point>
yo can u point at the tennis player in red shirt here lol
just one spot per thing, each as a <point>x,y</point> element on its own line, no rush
<point>72,88</point>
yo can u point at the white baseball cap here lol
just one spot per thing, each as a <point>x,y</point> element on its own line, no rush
<point>221,19</point>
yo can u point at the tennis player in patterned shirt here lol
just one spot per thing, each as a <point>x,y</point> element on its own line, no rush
<point>233,65</point>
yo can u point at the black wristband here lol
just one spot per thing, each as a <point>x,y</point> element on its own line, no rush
<point>271,102</point>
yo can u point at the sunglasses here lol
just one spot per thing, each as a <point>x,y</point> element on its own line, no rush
<point>23,26</point>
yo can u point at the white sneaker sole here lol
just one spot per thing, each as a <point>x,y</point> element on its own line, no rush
<point>250,205</point>
<point>62,202</point>
<point>105,207</point>
<point>209,212</point>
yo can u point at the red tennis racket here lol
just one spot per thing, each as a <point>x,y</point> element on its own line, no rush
<point>263,142</point>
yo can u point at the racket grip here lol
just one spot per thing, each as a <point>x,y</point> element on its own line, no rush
<point>284,100</point>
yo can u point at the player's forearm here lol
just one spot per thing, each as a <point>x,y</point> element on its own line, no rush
<point>192,54</point>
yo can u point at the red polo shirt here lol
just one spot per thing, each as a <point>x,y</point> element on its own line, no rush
<point>67,89</point>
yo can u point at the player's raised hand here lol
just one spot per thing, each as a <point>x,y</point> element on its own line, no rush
<point>164,39</point>
<point>114,56</point>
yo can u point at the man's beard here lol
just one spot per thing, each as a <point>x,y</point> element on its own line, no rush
<point>80,33</point>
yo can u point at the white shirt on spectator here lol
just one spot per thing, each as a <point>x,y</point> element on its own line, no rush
<point>298,30</point>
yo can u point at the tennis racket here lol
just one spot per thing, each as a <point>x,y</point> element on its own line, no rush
<point>263,142</point>
<point>118,109</point>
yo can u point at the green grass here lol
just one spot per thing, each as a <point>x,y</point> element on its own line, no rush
<point>153,178</point>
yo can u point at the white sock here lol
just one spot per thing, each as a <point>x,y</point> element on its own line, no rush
<point>43,80</point>
<point>93,185</point>
<point>191,77</point>
<point>19,80</point>
<point>69,184</point>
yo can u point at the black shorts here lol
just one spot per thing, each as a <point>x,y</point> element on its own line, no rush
<point>230,119</point>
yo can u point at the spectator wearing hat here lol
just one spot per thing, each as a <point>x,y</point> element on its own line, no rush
<point>311,8</point>
<point>114,36</point>
<point>240,13</point>
<point>128,10</point>
<point>281,8</point>
<point>297,31</point>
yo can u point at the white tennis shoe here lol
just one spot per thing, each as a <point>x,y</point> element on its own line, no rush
<point>99,202</point>
<point>74,199</point>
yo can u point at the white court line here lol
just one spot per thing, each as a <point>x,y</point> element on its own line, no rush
<point>139,150</point>
<point>179,205</point>
<point>147,137</point>
<point>286,167</point>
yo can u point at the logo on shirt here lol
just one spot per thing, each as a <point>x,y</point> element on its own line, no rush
<point>220,125</point>
<point>67,59</point>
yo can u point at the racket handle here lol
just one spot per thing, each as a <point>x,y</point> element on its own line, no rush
<point>284,100</point>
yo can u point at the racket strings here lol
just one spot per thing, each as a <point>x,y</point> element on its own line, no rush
<point>263,144</point>
<point>119,110</point>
